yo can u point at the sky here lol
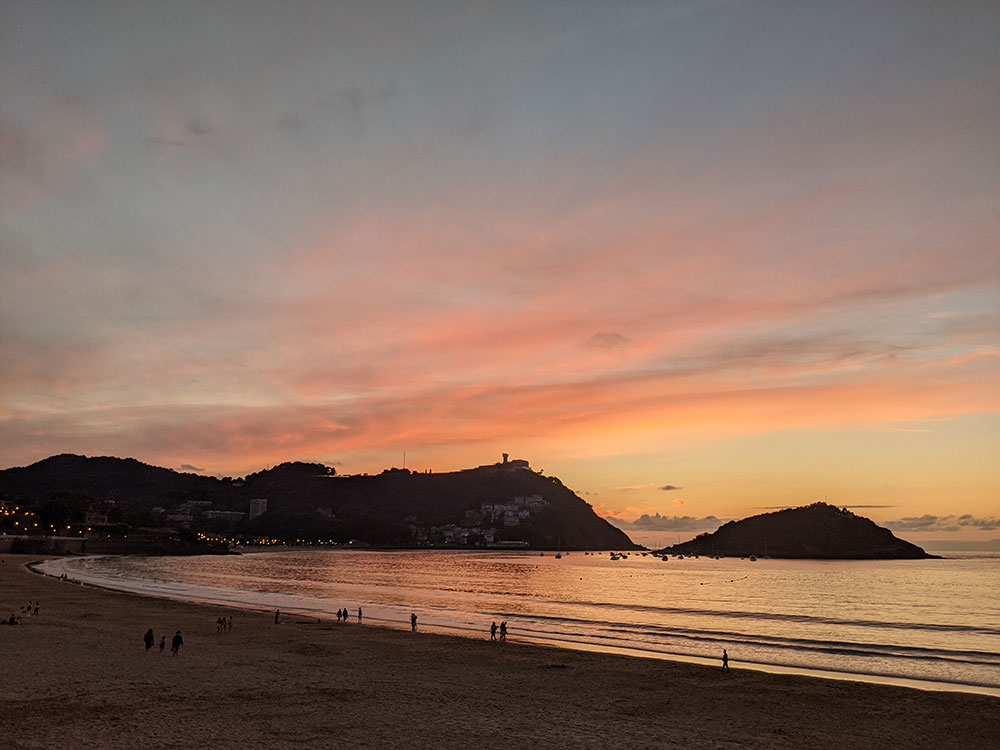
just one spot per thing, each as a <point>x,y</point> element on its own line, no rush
<point>697,259</point>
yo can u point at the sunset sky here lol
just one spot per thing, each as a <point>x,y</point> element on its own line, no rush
<point>697,259</point>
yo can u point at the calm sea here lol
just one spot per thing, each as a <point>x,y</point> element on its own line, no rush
<point>936,622</point>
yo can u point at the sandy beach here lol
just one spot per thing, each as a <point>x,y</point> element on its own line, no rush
<point>77,676</point>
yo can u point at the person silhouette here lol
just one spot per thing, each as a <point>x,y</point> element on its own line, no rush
<point>176,643</point>
<point>413,621</point>
<point>148,639</point>
<point>725,660</point>
<point>163,643</point>
<point>493,631</point>
<point>359,614</point>
<point>503,630</point>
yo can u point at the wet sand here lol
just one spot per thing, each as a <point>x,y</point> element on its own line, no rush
<point>77,676</point>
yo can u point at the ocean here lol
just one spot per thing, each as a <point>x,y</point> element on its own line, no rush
<point>933,624</point>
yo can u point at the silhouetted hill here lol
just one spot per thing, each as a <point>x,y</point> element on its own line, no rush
<point>499,504</point>
<point>129,483</point>
<point>817,531</point>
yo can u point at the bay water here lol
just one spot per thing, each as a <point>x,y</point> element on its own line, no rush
<point>926,623</point>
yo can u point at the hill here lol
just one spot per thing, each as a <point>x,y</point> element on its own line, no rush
<point>817,531</point>
<point>504,504</point>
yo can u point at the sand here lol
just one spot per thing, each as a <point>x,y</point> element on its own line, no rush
<point>77,676</point>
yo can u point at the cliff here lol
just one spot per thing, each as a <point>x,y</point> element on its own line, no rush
<point>817,531</point>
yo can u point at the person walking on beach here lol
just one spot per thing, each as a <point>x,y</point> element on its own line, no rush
<point>163,643</point>
<point>725,660</point>
<point>413,621</point>
<point>493,631</point>
<point>229,625</point>
<point>338,615</point>
<point>277,616</point>
<point>148,639</point>
<point>176,643</point>
<point>503,630</point>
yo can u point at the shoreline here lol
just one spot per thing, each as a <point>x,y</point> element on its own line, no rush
<point>77,675</point>
<point>553,642</point>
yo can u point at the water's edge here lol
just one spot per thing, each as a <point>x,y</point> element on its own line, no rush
<point>54,568</point>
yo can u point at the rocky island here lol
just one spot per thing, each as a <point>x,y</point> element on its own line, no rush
<point>818,531</point>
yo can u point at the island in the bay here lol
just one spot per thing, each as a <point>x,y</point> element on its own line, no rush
<point>818,531</point>
<point>123,505</point>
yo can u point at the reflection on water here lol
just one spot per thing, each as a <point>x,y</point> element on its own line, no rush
<point>924,619</point>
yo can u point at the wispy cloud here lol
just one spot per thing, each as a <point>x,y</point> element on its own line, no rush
<point>607,340</point>
<point>180,133</point>
<point>930,522</point>
<point>200,126</point>
<point>656,522</point>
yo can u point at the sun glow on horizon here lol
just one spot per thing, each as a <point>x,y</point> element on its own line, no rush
<point>642,247</point>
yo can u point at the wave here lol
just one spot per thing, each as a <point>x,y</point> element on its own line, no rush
<point>786,617</point>
<point>651,633</point>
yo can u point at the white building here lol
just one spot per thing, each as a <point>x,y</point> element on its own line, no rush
<point>258,507</point>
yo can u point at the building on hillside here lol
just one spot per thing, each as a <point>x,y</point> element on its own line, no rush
<point>258,507</point>
<point>531,502</point>
<point>95,517</point>
<point>228,515</point>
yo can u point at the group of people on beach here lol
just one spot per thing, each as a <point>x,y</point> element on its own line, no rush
<point>342,614</point>
<point>224,624</point>
<point>175,644</point>
<point>15,618</point>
